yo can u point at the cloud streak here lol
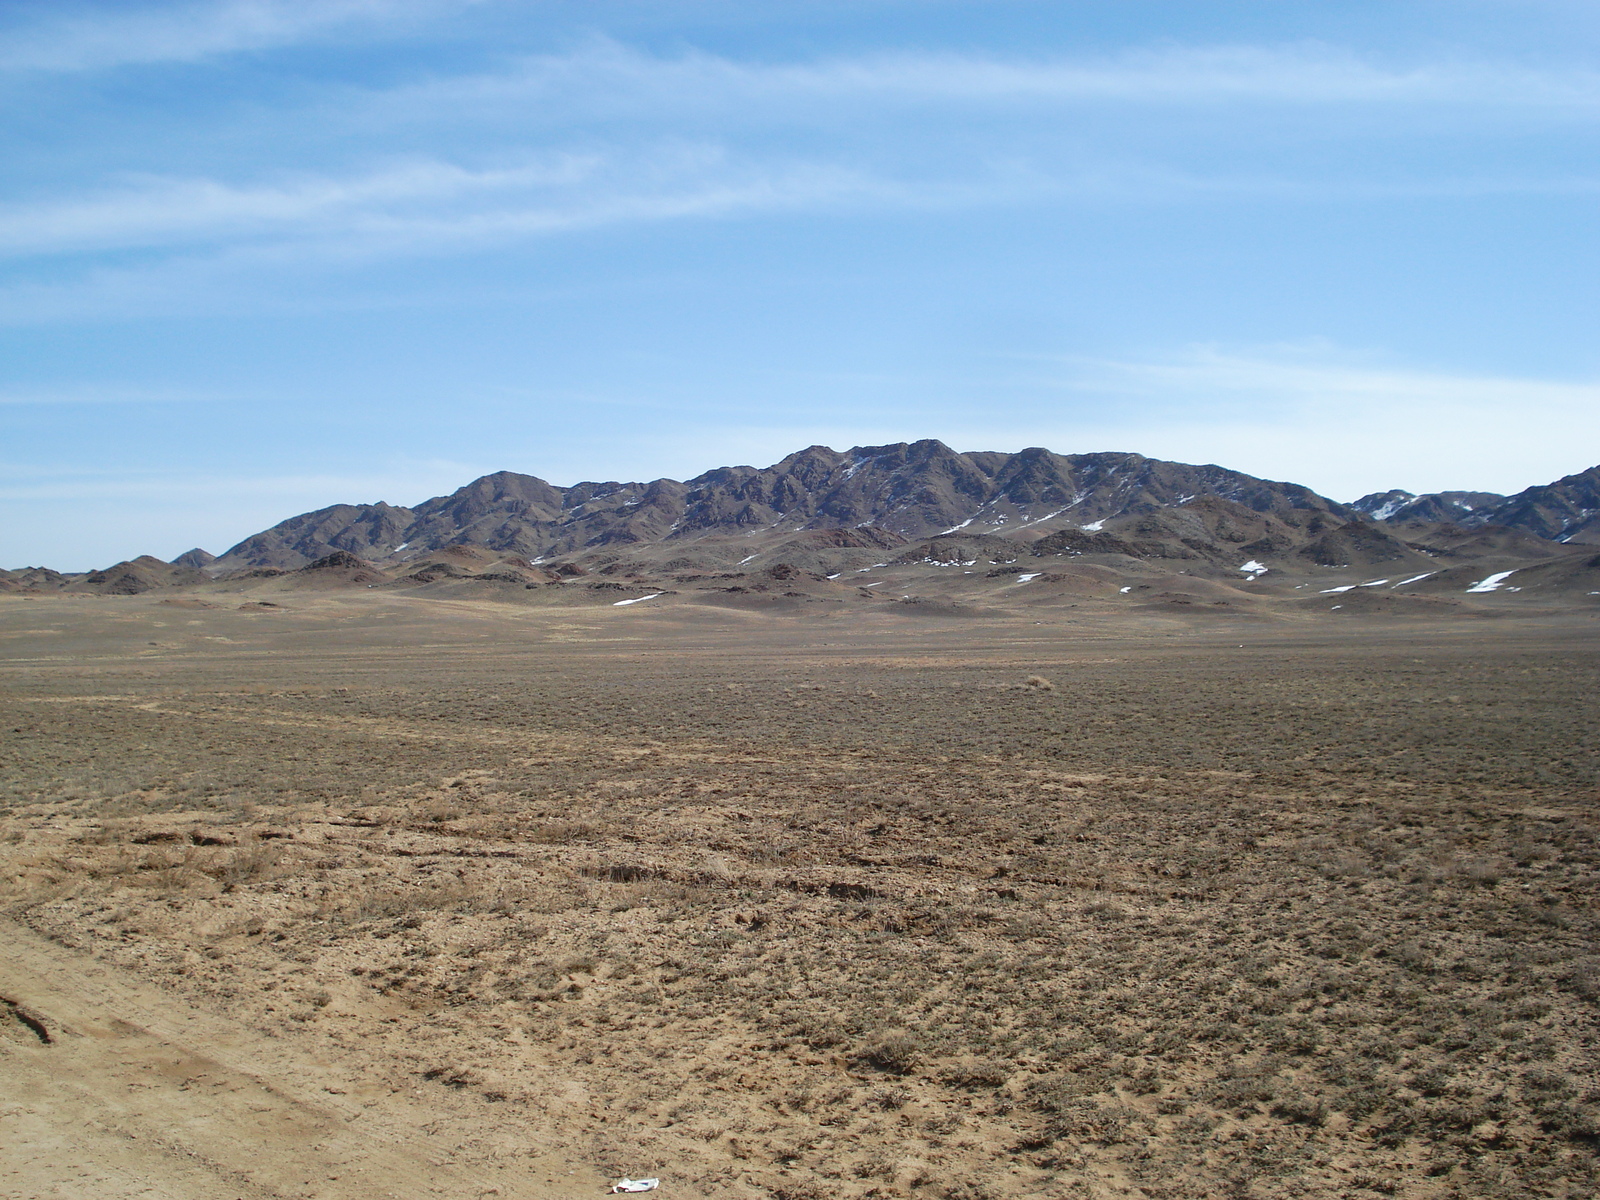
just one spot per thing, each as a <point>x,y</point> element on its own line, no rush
<point>89,393</point>
<point>608,78</point>
<point>608,135</point>
<point>1295,378</point>
<point>198,31</point>
<point>1318,417</point>
<point>177,211</point>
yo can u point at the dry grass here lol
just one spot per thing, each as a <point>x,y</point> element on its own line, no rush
<point>932,934</point>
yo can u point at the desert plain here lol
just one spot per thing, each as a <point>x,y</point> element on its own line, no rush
<point>363,894</point>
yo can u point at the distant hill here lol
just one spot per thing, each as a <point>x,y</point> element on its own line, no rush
<point>196,558</point>
<point>1435,506</point>
<point>1567,510</point>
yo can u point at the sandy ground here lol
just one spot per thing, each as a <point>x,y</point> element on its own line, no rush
<point>114,1089</point>
<point>371,896</point>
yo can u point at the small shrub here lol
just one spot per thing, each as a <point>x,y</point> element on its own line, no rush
<point>897,1053</point>
<point>979,1073</point>
<point>889,1099</point>
<point>1485,874</point>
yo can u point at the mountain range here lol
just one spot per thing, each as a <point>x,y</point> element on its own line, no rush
<point>913,490</point>
<point>818,509</point>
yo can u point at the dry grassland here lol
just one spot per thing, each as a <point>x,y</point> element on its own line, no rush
<point>964,914</point>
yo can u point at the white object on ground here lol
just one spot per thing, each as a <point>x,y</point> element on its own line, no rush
<point>1492,582</point>
<point>1126,590</point>
<point>635,1185</point>
<point>636,599</point>
<point>1414,579</point>
<point>1254,568</point>
<point>1030,575</point>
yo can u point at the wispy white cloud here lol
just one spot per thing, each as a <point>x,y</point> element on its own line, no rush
<point>609,136</point>
<point>165,211</point>
<point>98,393</point>
<point>1329,419</point>
<point>607,77</point>
<point>1316,374</point>
<point>209,237</point>
<point>206,236</point>
<point>105,37</point>
<point>410,485</point>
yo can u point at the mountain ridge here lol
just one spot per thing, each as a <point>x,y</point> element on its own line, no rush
<point>820,510</point>
<point>1565,510</point>
<point>914,489</point>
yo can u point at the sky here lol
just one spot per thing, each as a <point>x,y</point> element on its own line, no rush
<point>262,256</point>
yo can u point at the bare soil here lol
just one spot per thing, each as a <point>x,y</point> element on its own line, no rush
<point>368,895</point>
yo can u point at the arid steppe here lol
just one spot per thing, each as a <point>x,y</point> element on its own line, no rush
<point>366,894</point>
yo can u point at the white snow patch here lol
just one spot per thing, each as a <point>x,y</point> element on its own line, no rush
<point>747,558</point>
<point>1375,583</point>
<point>1384,511</point>
<point>1095,526</point>
<point>1414,579</point>
<point>859,463</point>
<point>1046,517</point>
<point>879,583</point>
<point>1126,590</point>
<point>1030,575</point>
<point>953,528</point>
<point>1493,581</point>
<point>835,576</point>
<point>1336,607</point>
<point>1346,588</point>
<point>636,599</point>
<point>1254,568</point>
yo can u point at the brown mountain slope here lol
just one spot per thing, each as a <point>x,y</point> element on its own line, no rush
<point>910,490</point>
<point>1567,510</point>
<point>142,574</point>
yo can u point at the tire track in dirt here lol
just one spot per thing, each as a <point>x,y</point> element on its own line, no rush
<point>115,1089</point>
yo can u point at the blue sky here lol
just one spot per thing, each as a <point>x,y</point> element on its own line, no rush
<point>259,256</point>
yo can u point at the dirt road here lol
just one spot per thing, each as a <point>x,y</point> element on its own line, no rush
<point>110,1088</point>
